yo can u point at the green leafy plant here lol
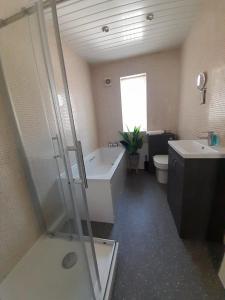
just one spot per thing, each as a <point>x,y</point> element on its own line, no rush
<point>132,140</point>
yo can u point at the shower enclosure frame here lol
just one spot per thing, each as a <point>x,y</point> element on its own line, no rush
<point>76,147</point>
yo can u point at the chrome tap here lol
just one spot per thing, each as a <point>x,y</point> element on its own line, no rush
<point>209,137</point>
<point>115,144</point>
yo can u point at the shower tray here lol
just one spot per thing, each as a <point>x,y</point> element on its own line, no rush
<point>40,274</point>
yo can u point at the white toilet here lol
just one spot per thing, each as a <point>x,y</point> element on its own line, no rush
<point>161,164</point>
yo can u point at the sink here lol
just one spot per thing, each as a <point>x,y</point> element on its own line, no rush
<point>197,149</point>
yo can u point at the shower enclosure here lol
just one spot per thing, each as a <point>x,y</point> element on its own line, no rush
<point>66,262</point>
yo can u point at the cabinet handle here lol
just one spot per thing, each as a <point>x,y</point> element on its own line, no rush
<point>175,167</point>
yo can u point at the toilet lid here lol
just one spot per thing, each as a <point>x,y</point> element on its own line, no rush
<point>161,159</point>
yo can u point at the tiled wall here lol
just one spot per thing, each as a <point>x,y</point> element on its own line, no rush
<point>163,80</point>
<point>204,50</point>
<point>18,225</point>
<point>79,78</point>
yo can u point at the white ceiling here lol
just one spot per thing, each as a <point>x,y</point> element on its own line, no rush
<point>130,33</point>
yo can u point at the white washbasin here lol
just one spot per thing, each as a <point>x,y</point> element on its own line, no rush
<point>197,149</point>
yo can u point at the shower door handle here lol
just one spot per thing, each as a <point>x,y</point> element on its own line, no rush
<point>81,162</point>
<point>59,155</point>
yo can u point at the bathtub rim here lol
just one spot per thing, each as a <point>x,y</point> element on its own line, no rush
<point>110,173</point>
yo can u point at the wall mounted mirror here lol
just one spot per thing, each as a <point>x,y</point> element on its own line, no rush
<point>201,85</point>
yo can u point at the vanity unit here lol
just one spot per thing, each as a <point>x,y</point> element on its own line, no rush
<point>193,176</point>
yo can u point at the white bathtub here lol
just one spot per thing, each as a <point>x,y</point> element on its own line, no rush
<point>106,172</point>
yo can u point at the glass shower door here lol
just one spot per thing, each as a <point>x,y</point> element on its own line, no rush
<point>73,156</point>
<point>36,81</point>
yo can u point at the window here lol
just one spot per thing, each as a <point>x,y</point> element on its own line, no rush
<point>133,101</point>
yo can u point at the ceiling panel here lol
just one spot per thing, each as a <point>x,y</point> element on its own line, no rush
<point>126,24</point>
<point>130,33</point>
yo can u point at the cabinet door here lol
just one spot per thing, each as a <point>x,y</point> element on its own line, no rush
<point>175,186</point>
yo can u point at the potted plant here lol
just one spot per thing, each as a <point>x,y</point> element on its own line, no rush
<point>132,141</point>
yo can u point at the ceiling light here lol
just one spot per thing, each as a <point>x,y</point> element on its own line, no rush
<point>150,17</point>
<point>105,29</point>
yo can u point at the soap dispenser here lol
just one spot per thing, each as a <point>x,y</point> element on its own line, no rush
<point>215,139</point>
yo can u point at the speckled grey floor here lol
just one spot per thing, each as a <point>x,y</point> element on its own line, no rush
<point>153,262</point>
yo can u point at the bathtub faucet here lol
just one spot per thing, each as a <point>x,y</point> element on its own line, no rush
<point>115,144</point>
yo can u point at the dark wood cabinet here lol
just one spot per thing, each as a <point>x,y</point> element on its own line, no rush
<point>216,228</point>
<point>191,191</point>
<point>175,186</point>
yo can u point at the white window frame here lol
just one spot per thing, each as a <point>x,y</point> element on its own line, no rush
<point>122,104</point>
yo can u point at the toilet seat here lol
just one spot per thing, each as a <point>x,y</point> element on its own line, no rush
<point>161,161</point>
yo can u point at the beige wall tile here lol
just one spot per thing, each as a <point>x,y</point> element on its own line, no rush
<point>204,51</point>
<point>79,78</point>
<point>163,80</point>
<point>18,224</point>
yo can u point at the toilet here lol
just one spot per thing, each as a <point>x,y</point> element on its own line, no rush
<point>158,153</point>
<point>161,165</point>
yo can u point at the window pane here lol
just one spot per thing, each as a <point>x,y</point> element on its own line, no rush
<point>133,100</point>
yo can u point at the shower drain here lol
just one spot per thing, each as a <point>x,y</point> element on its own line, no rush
<point>69,260</point>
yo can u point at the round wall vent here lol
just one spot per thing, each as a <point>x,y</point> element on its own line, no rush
<point>107,82</point>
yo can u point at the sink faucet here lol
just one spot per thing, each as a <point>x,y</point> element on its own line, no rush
<point>208,137</point>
